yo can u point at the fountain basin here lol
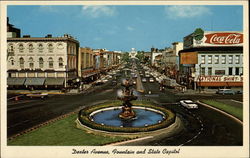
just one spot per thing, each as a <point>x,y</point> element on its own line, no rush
<point>144,117</point>
<point>104,117</point>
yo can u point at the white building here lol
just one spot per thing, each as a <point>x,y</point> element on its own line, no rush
<point>171,59</point>
<point>212,59</point>
<point>133,53</point>
<point>42,61</point>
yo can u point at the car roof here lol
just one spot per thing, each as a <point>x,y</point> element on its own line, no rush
<point>188,101</point>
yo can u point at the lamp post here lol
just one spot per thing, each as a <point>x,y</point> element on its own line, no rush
<point>66,76</point>
<point>199,78</point>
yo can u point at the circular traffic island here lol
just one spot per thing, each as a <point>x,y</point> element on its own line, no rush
<point>105,117</point>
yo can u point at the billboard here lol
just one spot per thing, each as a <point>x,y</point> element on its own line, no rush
<point>189,58</point>
<point>202,38</point>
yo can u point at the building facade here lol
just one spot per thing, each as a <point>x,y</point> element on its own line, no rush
<point>212,60</point>
<point>42,61</point>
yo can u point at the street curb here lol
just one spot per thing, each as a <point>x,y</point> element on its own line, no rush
<point>129,141</point>
<point>221,111</point>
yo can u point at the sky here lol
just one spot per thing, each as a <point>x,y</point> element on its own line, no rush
<point>122,27</point>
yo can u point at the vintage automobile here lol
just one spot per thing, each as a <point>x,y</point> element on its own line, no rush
<point>225,91</point>
<point>37,95</point>
<point>189,104</point>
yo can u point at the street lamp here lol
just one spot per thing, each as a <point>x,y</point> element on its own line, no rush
<point>199,78</point>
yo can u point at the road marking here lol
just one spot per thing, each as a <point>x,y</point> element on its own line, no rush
<point>236,101</point>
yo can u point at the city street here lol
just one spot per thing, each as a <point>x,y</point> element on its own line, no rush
<point>202,126</point>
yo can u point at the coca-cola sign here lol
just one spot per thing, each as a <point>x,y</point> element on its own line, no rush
<point>224,38</point>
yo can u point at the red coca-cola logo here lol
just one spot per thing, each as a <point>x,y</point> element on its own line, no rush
<point>224,38</point>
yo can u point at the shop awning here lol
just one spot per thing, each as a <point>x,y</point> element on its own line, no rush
<point>34,81</point>
<point>54,81</point>
<point>15,81</point>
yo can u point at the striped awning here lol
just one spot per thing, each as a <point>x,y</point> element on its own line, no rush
<point>34,81</point>
<point>54,81</point>
<point>15,81</point>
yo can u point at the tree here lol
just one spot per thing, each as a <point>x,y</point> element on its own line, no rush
<point>140,55</point>
<point>125,57</point>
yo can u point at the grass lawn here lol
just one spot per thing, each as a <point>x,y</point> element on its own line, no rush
<point>62,132</point>
<point>233,110</point>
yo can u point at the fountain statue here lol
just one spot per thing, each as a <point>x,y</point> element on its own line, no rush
<point>126,95</point>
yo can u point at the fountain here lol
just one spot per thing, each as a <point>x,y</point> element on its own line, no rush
<point>123,117</point>
<point>126,95</point>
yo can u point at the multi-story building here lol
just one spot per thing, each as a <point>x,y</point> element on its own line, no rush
<point>42,61</point>
<point>171,59</point>
<point>156,56</point>
<point>87,67</point>
<point>212,60</point>
<point>12,32</point>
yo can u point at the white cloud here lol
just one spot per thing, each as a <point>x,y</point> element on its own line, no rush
<point>97,11</point>
<point>184,11</point>
<point>130,28</point>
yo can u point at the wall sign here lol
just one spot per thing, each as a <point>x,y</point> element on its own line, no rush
<point>220,78</point>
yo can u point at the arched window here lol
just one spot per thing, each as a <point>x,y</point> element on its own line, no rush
<point>21,48</point>
<point>40,62</point>
<point>50,62</point>
<point>21,61</point>
<point>11,60</point>
<point>31,48</point>
<point>11,48</point>
<point>40,47</point>
<point>50,47</point>
<point>60,62</point>
<point>31,63</point>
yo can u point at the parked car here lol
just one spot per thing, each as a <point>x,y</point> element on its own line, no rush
<point>189,104</point>
<point>37,95</point>
<point>144,80</point>
<point>151,79</point>
<point>240,92</point>
<point>134,82</point>
<point>225,91</point>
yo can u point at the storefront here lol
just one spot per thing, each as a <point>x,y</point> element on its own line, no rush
<point>212,60</point>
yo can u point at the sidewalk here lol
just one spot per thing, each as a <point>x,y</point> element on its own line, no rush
<point>193,92</point>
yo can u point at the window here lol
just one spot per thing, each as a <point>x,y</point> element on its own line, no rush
<point>230,59</point>
<point>209,59</point>
<point>50,62</point>
<point>216,59</point>
<point>11,48</point>
<point>21,48</point>
<point>21,61</point>
<point>241,71</point>
<point>237,59</point>
<point>60,63</point>
<point>202,71</point>
<point>31,63</point>
<point>210,71</point>
<point>40,48</point>
<point>40,62</point>
<point>203,58</point>
<point>50,46</point>
<point>223,59</point>
<point>237,71</point>
<point>219,72</point>
<point>11,60</point>
<point>230,71</point>
<point>31,48</point>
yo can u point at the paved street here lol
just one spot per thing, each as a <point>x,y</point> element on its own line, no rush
<point>203,126</point>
